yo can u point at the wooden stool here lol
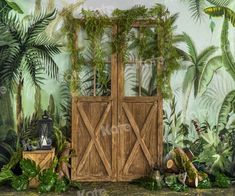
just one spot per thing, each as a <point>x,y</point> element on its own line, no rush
<point>43,158</point>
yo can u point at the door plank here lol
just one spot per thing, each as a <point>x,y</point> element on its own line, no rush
<point>137,133</point>
<point>94,139</point>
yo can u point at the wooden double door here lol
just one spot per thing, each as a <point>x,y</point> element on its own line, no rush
<point>116,138</point>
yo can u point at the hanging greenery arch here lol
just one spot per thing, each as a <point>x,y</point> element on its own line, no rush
<point>162,45</point>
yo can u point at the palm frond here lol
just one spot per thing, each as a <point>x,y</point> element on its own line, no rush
<point>207,73</point>
<point>196,8</point>
<point>189,78</point>
<point>191,47</point>
<point>48,63</point>
<point>206,54</point>
<point>38,24</point>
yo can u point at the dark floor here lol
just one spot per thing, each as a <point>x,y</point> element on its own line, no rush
<point>123,189</point>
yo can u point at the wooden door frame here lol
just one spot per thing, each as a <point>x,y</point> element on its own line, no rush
<point>115,99</point>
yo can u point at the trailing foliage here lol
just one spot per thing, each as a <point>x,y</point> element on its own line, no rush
<point>124,20</point>
<point>166,52</point>
<point>95,23</point>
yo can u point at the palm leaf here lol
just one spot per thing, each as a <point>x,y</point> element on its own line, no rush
<point>221,11</point>
<point>208,72</point>
<point>228,58</point>
<point>196,8</point>
<point>191,47</point>
<point>38,24</point>
<point>220,2</point>
<point>14,6</point>
<point>205,54</point>
<point>226,108</point>
<point>189,78</point>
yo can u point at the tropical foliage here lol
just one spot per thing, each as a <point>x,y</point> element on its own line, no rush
<point>28,54</point>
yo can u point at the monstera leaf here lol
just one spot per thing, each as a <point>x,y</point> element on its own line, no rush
<point>221,11</point>
<point>29,168</point>
<point>20,183</point>
<point>47,180</point>
<point>226,108</point>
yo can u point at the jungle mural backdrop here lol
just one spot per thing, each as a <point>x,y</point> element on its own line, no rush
<point>198,84</point>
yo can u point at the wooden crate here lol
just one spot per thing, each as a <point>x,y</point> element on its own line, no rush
<point>43,158</point>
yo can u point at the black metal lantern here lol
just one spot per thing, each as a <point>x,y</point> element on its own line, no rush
<point>45,126</point>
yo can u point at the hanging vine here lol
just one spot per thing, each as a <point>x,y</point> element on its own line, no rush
<point>71,28</point>
<point>124,20</point>
<point>166,51</point>
<point>95,23</point>
<point>159,43</point>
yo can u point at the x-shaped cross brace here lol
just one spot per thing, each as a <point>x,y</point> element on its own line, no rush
<point>94,133</point>
<point>140,137</point>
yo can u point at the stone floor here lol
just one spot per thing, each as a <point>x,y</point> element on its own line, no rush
<point>122,189</point>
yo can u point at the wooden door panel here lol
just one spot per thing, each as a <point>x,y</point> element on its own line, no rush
<point>138,146</point>
<point>93,147</point>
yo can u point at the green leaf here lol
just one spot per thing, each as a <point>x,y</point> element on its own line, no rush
<point>221,11</point>
<point>29,168</point>
<point>222,181</point>
<point>47,180</point>
<point>212,26</point>
<point>228,59</point>
<point>14,6</point>
<point>20,183</point>
<point>207,73</point>
<point>205,184</point>
<point>61,185</point>
<point>220,2</point>
<point>5,175</point>
<point>226,108</point>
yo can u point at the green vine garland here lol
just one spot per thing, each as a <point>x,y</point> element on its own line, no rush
<point>95,23</point>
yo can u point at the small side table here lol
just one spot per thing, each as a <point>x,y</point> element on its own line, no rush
<point>43,158</point>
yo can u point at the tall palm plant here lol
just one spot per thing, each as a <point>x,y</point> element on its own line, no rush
<point>200,70</point>
<point>28,55</point>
